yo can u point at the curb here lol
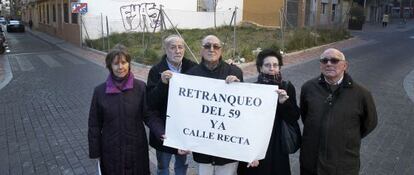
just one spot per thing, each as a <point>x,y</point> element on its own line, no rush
<point>409,85</point>
<point>8,75</point>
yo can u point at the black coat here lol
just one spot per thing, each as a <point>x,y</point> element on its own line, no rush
<point>158,97</point>
<point>220,72</point>
<point>276,162</point>
<point>334,124</point>
<point>116,133</point>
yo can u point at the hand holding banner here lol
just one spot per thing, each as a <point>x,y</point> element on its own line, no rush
<point>208,116</point>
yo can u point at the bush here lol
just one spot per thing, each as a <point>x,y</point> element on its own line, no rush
<point>248,39</point>
<point>357,18</point>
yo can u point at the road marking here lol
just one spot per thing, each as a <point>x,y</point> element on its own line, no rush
<point>409,85</point>
<point>35,53</point>
<point>411,37</point>
<point>71,58</point>
<point>24,64</point>
<point>51,62</point>
<point>13,63</point>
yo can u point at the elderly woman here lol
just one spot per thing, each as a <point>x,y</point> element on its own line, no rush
<point>276,162</point>
<point>116,133</point>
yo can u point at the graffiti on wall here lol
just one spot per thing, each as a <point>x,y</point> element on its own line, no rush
<point>140,16</point>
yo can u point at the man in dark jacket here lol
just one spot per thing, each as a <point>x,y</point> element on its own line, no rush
<point>158,78</point>
<point>336,113</point>
<point>213,66</point>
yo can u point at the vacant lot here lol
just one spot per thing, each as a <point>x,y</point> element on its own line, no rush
<point>146,48</point>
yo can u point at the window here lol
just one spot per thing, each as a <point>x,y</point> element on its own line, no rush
<point>66,12</point>
<point>54,12</point>
<point>323,8</point>
<point>40,13</point>
<point>206,5</point>
<point>74,18</point>
<point>333,12</point>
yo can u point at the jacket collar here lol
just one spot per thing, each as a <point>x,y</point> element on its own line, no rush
<point>185,65</point>
<point>347,81</point>
<point>220,64</point>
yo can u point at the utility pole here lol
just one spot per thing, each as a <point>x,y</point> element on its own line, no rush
<point>401,9</point>
<point>215,10</point>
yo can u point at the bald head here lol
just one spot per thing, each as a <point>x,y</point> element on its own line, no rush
<point>333,53</point>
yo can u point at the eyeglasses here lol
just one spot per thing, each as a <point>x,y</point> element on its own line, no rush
<point>215,46</point>
<point>332,60</point>
<point>268,65</point>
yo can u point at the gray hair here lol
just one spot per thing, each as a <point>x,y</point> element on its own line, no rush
<point>171,38</point>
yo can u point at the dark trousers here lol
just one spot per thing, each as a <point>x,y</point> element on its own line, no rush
<point>306,172</point>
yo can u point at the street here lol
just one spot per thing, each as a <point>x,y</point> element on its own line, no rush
<point>44,108</point>
<point>381,67</point>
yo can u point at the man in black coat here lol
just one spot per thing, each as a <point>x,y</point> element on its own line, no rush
<point>213,66</point>
<point>157,88</point>
<point>337,113</point>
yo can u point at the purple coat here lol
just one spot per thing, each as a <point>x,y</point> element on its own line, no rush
<point>116,132</point>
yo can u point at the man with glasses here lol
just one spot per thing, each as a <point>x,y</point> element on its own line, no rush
<point>336,113</point>
<point>157,88</point>
<point>213,66</point>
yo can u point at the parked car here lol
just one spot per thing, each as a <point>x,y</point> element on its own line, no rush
<point>15,26</point>
<point>2,41</point>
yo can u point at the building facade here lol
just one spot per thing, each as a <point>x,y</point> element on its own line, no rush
<point>326,13</point>
<point>53,17</point>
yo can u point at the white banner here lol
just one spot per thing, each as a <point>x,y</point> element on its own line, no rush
<point>208,116</point>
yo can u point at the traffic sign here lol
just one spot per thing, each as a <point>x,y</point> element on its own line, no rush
<point>78,7</point>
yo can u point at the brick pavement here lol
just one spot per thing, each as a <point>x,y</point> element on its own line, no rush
<point>249,69</point>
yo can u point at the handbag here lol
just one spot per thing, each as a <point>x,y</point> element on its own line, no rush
<point>291,137</point>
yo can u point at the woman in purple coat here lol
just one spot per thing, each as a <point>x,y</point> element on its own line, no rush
<point>116,132</point>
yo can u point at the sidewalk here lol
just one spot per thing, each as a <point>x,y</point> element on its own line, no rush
<point>396,25</point>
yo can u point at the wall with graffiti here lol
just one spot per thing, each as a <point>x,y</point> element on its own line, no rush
<point>140,15</point>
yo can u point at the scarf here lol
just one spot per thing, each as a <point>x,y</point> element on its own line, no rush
<point>270,79</point>
<point>116,84</point>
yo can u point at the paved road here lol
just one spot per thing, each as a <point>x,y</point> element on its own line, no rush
<point>381,66</point>
<point>44,108</point>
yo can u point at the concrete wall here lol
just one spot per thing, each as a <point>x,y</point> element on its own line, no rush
<point>263,12</point>
<point>182,13</point>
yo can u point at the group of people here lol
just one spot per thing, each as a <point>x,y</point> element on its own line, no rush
<point>336,113</point>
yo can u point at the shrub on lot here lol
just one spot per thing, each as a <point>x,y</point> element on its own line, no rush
<point>248,39</point>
